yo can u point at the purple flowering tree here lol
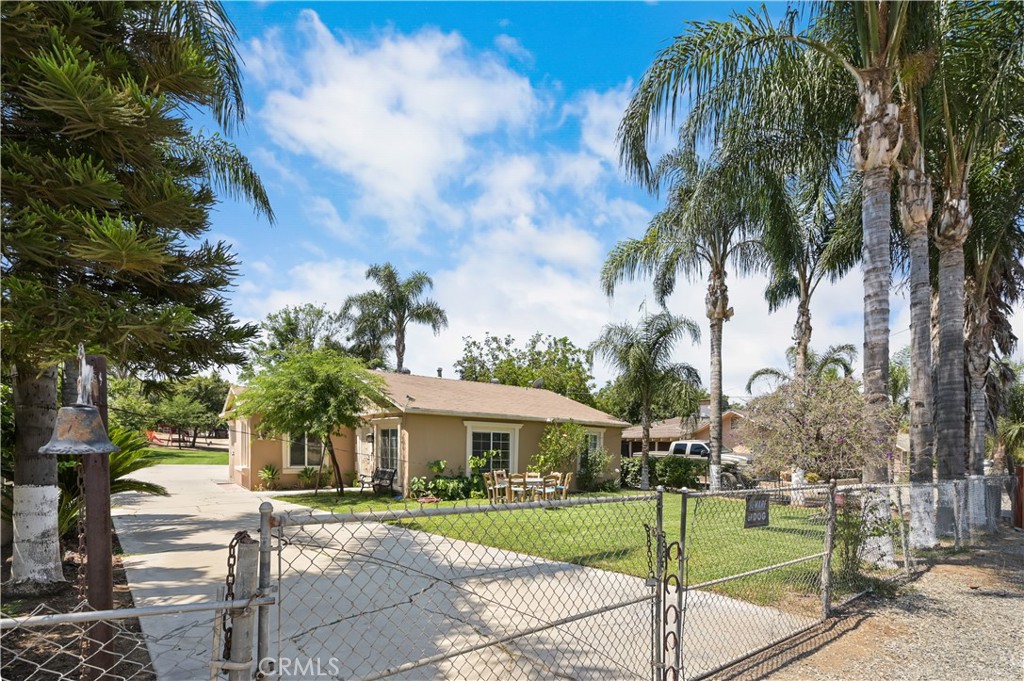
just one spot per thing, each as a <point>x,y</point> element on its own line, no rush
<point>825,426</point>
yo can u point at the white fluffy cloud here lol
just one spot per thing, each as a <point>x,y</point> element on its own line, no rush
<point>397,115</point>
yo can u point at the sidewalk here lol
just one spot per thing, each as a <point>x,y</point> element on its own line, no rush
<point>175,551</point>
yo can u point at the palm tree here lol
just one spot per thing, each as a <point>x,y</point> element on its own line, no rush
<point>837,358</point>
<point>384,314</point>
<point>752,68</point>
<point>995,281</point>
<point>642,355</point>
<point>711,222</point>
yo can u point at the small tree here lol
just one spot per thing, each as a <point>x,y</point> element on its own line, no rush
<point>313,392</point>
<point>561,446</point>
<point>823,426</point>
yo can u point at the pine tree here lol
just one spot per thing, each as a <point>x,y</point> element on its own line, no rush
<point>106,196</point>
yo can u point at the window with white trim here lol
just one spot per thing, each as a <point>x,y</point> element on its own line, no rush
<point>595,441</point>
<point>387,448</point>
<point>498,443</point>
<point>304,450</point>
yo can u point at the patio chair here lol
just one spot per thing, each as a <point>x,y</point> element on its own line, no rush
<point>517,487</point>
<point>489,486</point>
<point>549,485</point>
<point>563,487</point>
<point>500,484</point>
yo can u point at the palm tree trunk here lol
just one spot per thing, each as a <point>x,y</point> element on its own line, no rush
<point>802,334</point>
<point>718,311</point>
<point>977,366</point>
<point>36,566</point>
<point>916,211</point>
<point>399,349</point>
<point>877,144</point>
<point>950,400</point>
<point>876,253</point>
<point>645,448</point>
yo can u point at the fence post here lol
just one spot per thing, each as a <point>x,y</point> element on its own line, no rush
<point>263,614</point>
<point>658,626</point>
<point>681,589</point>
<point>958,535</point>
<point>904,538</point>
<point>826,560</point>
<point>246,579</point>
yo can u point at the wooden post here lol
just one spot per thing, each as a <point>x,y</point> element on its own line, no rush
<point>246,580</point>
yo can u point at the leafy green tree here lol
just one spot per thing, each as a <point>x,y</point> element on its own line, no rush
<point>315,392</point>
<point>377,317</point>
<point>561,448</point>
<point>642,356</point>
<point>130,407</point>
<point>187,416</point>
<point>107,193</point>
<point>209,391</point>
<point>295,329</point>
<point>556,363</point>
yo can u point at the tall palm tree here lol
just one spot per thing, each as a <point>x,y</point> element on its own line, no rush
<point>995,280</point>
<point>384,314</point>
<point>642,355</point>
<point>711,222</point>
<point>752,66</point>
<point>837,358</point>
<point>978,89</point>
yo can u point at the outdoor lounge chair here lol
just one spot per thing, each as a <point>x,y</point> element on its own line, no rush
<point>380,480</point>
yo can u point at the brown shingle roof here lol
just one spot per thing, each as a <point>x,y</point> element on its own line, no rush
<point>670,429</point>
<point>467,398</point>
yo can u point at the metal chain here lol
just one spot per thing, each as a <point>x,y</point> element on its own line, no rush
<point>229,584</point>
<point>650,552</point>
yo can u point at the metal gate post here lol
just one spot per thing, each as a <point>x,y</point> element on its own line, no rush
<point>263,614</point>
<point>658,625</point>
<point>681,585</point>
<point>826,560</point>
<point>246,579</point>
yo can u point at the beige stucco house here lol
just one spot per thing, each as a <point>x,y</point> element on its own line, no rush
<point>428,419</point>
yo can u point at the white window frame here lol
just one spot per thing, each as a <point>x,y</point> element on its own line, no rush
<point>386,424</point>
<point>599,434</point>
<point>494,427</point>
<point>286,446</point>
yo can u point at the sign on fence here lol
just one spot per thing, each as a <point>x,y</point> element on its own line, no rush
<point>757,511</point>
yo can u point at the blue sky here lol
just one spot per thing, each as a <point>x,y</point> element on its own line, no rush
<point>474,142</point>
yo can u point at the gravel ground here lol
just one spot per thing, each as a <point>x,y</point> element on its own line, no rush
<point>962,619</point>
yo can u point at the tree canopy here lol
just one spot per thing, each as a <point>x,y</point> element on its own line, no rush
<point>557,363</point>
<point>313,392</point>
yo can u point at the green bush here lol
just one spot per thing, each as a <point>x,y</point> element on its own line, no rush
<point>450,489</point>
<point>418,487</point>
<point>629,472</point>
<point>268,476</point>
<point>593,466</point>
<point>561,446</point>
<point>310,476</point>
<point>677,472</point>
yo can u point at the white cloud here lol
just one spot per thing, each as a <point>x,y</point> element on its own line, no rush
<point>322,211</point>
<point>320,282</point>
<point>600,113</point>
<point>397,115</point>
<point>513,48</point>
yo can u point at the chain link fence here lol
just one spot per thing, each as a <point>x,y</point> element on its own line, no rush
<point>49,645</point>
<point>520,591</point>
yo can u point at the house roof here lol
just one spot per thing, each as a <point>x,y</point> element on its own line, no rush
<point>674,428</point>
<point>445,396</point>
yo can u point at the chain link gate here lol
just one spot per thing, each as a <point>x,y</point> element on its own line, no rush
<point>529,590</point>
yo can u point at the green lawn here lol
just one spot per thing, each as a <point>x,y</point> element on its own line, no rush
<point>612,537</point>
<point>190,456</point>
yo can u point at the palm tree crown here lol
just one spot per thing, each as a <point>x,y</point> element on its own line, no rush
<point>642,355</point>
<point>837,358</point>
<point>384,314</point>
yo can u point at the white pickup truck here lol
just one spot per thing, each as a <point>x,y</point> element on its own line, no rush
<point>733,465</point>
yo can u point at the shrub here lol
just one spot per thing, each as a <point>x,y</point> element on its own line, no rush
<point>310,476</point>
<point>268,476</point>
<point>450,489</point>
<point>629,472</point>
<point>418,487</point>
<point>812,478</point>
<point>593,466</point>
<point>678,472</point>
<point>437,466</point>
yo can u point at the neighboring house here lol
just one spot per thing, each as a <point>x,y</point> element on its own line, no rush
<point>664,433</point>
<point>428,419</point>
